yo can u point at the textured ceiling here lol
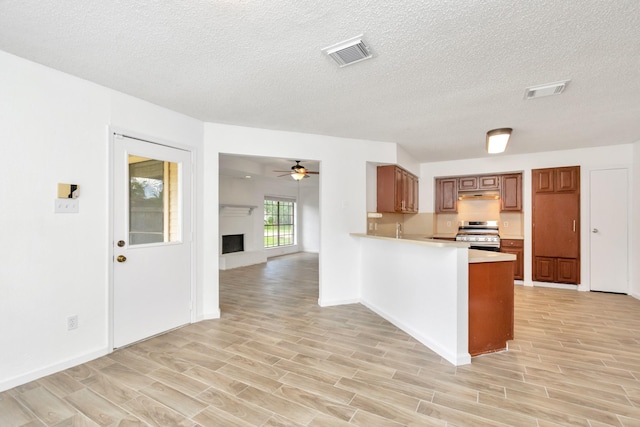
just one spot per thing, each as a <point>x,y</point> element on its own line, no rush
<point>443,72</point>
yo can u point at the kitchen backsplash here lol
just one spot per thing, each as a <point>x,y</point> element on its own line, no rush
<point>430,224</point>
<point>385,225</point>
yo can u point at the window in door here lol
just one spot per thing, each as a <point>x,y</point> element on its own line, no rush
<point>153,201</point>
<point>279,227</point>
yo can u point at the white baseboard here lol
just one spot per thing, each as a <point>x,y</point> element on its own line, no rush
<point>51,369</point>
<point>454,359</point>
<point>326,303</point>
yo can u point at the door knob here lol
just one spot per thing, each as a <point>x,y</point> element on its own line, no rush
<point>121,258</point>
<point>595,230</point>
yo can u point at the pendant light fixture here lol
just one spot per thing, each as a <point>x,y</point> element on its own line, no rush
<point>497,140</point>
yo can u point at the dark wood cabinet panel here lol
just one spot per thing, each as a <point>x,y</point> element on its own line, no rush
<point>490,306</point>
<point>566,270</point>
<point>544,269</point>
<point>556,224</point>
<point>515,247</point>
<point>446,195</point>
<point>511,192</point>
<point>467,183</point>
<point>543,180</point>
<point>401,182</point>
<point>567,179</point>
<point>489,182</point>
<point>412,193</point>
<point>397,190</point>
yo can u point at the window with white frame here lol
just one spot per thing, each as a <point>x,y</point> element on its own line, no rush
<point>279,226</point>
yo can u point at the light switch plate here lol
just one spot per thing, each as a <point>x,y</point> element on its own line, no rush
<point>66,206</point>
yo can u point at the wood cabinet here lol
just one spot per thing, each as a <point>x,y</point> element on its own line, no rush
<point>483,182</point>
<point>556,180</point>
<point>515,247</point>
<point>397,190</point>
<point>510,186</point>
<point>446,195</point>
<point>556,224</point>
<point>490,306</point>
<point>511,192</point>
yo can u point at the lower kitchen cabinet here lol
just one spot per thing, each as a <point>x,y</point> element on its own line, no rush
<point>515,247</point>
<point>556,270</point>
<point>490,306</point>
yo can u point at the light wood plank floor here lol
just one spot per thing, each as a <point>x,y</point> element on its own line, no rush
<point>277,359</point>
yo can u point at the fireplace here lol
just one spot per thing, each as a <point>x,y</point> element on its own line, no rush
<point>232,243</point>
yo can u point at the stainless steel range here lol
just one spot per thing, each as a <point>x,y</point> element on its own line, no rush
<point>482,235</point>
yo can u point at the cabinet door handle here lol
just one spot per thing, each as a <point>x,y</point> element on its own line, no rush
<point>574,225</point>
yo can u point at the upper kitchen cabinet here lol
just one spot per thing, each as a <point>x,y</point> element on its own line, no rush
<point>483,182</point>
<point>397,190</point>
<point>556,180</point>
<point>509,185</point>
<point>446,195</point>
<point>511,192</point>
<point>556,224</point>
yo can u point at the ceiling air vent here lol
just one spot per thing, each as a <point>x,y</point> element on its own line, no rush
<point>545,90</point>
<point>349,51</point>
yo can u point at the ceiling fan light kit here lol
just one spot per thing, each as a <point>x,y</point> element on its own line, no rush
<point>298,172</point>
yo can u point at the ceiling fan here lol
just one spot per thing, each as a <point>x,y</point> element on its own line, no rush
<point>298,172</point>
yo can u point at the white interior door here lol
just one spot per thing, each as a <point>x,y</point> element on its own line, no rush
<point>609,230</point>
<point>151,239</point>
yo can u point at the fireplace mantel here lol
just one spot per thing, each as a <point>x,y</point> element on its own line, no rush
<point>235,210</point>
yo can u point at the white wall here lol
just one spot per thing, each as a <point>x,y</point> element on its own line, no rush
<point>342,196</point>
<point>309,215</point>
<point>588,159</point>
<point>634,226</point>
<point>55,130</point>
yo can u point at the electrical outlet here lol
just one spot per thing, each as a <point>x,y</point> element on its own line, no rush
<point>448,223</point>
<point>66,206</point>
<point>72,322</point>
<point>506,224</point>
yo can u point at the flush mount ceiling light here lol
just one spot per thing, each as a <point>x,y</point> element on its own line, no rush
<point>497,140</point>
<point>349,51</point>
<point>545,90</point>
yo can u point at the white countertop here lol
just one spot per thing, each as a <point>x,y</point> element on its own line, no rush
<point>474,254</point>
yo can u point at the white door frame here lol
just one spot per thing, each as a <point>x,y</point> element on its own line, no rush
<point>111,242</point>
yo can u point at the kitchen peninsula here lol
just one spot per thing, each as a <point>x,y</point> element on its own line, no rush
<point>456,301</point>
